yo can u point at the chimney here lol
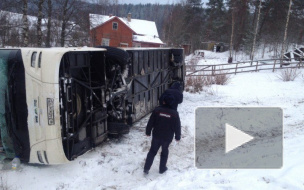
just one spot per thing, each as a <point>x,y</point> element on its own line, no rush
<point>110,15</point>
<point>129,17</point>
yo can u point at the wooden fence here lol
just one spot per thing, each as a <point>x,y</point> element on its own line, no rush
<point>242,67</point>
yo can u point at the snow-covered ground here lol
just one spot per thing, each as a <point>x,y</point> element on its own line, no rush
<point>212,58</point>
<point>218,63</point>
<point>118,164</point>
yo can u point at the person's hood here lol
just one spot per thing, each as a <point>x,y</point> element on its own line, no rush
<point>176,85</point>
<point>169,100</point>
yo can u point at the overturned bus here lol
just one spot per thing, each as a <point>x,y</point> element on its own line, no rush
<point>58,103</point>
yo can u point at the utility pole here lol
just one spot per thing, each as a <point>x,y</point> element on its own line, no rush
<point>285,35</point>
<point>256,31</point>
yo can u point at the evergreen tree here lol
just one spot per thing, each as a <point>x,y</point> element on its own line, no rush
<point>240,8</point>
<point>216,22</point>
<point>193,23</point>
<point>173,27</point>
<point>296,28</point>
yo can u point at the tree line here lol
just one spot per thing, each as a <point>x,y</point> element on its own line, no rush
<point>66,22</point>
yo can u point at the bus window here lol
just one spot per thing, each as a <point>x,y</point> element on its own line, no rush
<point>33,59</point>
<point>39,60</point>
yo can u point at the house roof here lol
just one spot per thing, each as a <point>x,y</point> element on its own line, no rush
<point>145,30</point>
<point>147,39</point>
<point>16,18</point>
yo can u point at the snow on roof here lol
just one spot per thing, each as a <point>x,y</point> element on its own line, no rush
<point>149,39</point>
<point>143,27</point>
<point>16,18</point>
<point>96,20</point>
<point>146,30</point>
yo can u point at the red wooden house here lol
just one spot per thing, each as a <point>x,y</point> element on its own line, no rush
<point>123,32</point>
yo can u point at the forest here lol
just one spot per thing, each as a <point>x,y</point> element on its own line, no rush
<point>240,23</point>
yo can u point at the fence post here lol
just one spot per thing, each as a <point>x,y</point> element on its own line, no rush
<point>256,67</point>
<point>213,70</point>
<point>274,65</point>
<point>236,67</point>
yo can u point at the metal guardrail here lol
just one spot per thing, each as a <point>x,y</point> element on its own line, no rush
<point>242,67</point>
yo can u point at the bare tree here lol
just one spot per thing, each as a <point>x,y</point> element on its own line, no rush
<point>256,31</point>
<point>64,22</point>
<point>25,26</point>
<point>69,12</point>
<point>286,28</point>
<point>39,32</point>
<point>4,27</point>
<point>232,35</point>
<point>49,23</point>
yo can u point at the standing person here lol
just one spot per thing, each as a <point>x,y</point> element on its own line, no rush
<point>165,123</point>
<point>176,91</point>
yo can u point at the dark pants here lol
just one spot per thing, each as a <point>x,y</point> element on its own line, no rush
<point>156,143</point>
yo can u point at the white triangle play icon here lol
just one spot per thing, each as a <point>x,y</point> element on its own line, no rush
<point>235,138</point>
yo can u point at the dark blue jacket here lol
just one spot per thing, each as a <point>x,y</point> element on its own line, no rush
<point>175,91</point>
<point>164,122</point>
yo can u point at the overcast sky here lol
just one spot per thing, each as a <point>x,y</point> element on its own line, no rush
<point>148,1</point>
<point>153,1</point>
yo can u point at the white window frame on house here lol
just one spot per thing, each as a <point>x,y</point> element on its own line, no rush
<point>105,41</point>
<point>113,24</point>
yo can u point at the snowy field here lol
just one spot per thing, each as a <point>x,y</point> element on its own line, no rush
<point>241,63</point>
<point>118,164</point>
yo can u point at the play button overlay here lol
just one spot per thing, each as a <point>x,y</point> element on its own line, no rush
<point>238,137</point>
<point>235,138</point>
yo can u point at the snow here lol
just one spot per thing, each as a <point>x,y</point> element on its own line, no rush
<point>149,39</point>
<point>218,62</point>
<point>96,20</point>
<point>14,21</point>
<point>212,58</point>
<point>15,18</point>
<point>118,163</point>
